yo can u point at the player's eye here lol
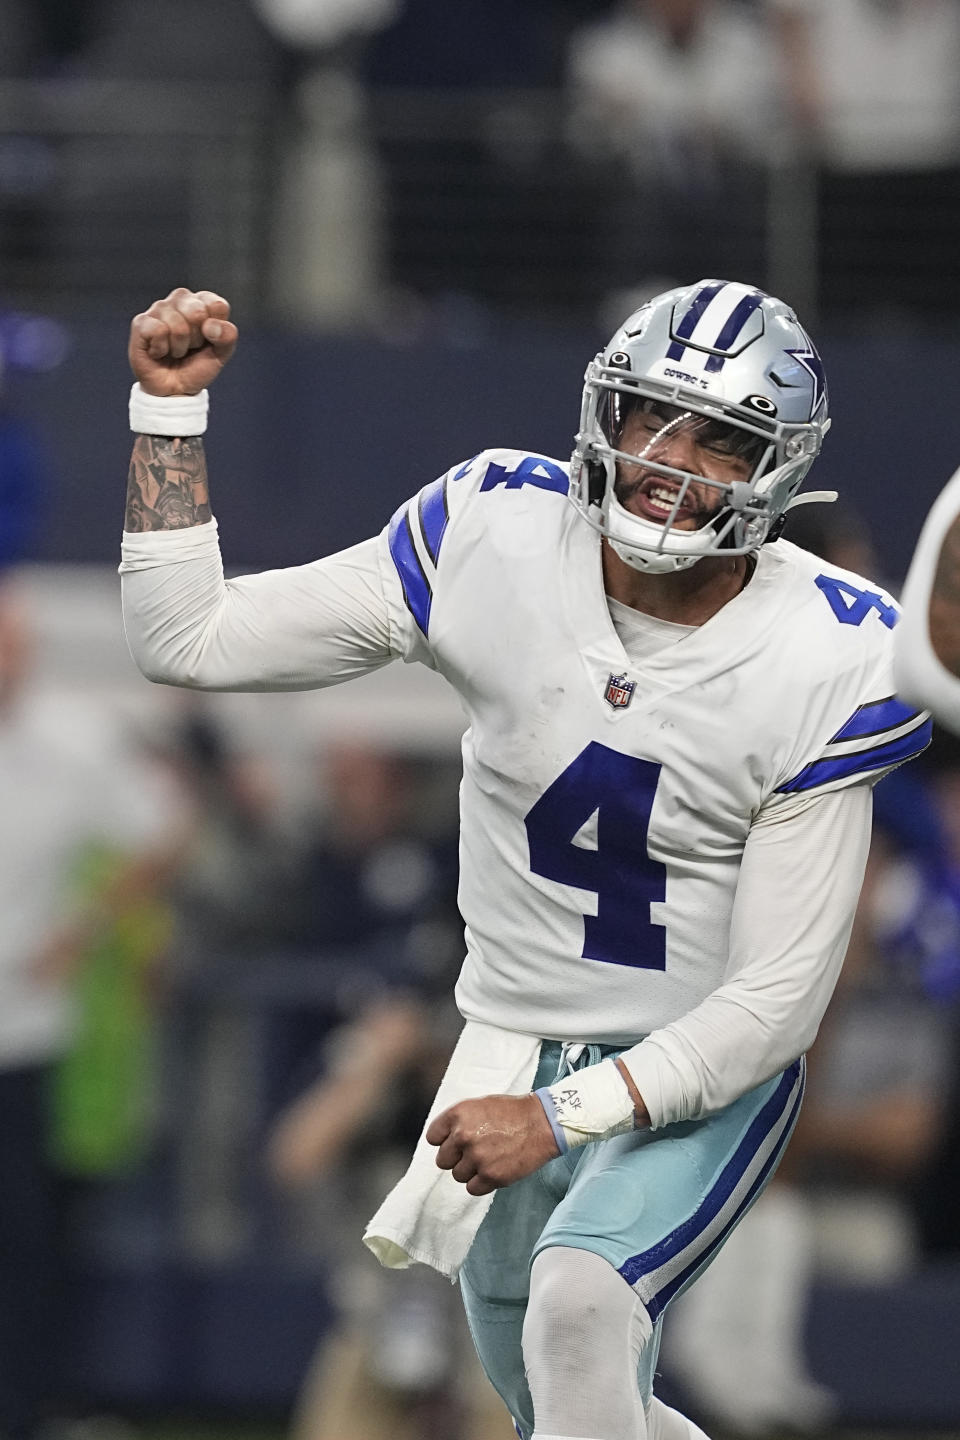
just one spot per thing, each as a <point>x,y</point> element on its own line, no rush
<point>728,443</point>
<point>655,418</point>
<point>720,447</point>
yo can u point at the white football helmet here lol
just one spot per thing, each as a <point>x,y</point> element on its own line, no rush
<point>721,367</point>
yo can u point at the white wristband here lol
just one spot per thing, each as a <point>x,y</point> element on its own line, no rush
<point>179,415</point>
<point>592,1104</point>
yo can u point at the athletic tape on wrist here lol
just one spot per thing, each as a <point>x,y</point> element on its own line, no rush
<point>175,415</point>
<point>550,1110</point>
<point>591,1104</point>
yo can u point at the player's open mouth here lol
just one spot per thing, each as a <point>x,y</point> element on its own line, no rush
<point>654,500</point>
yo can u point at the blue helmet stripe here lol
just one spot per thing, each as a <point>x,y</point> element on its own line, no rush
<point>821,772</point>
<point>416,586</point>
<point>692,318</point>
<point>735,323</point>
<point>875,718</point>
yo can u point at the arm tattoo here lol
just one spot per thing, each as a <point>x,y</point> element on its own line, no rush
<point>945,602</point>
<point>167,484</point>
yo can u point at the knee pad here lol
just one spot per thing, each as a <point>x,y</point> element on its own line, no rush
<point>583,1336</point>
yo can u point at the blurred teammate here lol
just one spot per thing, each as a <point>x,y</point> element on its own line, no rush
<point>665,811</point>
<point>69,797</point>
<point>928,642</point>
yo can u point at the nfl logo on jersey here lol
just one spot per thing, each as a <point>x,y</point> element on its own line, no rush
<point>619,691</point>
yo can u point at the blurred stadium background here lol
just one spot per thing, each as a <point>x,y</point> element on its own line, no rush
<point>427,217</point>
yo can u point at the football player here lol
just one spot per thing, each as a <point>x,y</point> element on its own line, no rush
<point>674,723</point>
<point>927,648</point>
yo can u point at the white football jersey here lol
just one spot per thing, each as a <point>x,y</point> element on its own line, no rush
<point>605,805</point>
<point>920,673</point>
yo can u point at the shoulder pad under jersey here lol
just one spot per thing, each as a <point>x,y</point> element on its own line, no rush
<point>460,499</point>
<point>858,728</point>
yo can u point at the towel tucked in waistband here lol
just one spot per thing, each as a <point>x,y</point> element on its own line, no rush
<point>428,1216</point>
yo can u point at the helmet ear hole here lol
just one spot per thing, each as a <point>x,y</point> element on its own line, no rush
<point>596,482</point>
<point>776,530</point>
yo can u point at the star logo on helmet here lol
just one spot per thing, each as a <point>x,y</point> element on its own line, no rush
<point>813,365</point>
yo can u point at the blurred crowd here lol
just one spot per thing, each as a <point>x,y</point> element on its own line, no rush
<point>392,154</point>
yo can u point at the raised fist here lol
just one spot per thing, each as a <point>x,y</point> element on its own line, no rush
<point>180,345</point>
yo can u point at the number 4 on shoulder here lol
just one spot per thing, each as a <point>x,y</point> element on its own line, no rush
<point>531,470</point>
<point>852,606</point>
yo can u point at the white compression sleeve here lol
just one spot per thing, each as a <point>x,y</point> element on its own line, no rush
<point>310,625</point>
<point>798,888</point>
<point>582,1337</point>
<point>919,674</point>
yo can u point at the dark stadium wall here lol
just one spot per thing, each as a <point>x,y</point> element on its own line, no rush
<point>314,442</point>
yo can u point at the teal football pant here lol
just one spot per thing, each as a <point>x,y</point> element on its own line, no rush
<point>656,1205</point>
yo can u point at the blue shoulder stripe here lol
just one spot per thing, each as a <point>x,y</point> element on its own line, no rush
<point>416,587</point>
<point>466,466</point>
<point>876,717</point>
<point>434,515</point>
<point>432,518</point>
<point>821,772</point>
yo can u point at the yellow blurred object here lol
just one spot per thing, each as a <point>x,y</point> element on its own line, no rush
<point>100,1089</point>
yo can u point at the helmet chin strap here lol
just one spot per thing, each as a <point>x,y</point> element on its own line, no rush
<point>651,563</point>
<point>648,558</point>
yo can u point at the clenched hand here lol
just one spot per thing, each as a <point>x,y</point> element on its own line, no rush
<point>179,345</point>
<point>492,1142</point>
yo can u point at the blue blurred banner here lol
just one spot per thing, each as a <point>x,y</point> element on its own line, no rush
<point>314,441</point>
<point>32,342</point>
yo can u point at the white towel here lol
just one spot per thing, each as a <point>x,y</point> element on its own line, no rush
<point>428,1216</point>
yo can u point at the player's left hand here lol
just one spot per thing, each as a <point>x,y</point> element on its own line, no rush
<point>492,1142</point>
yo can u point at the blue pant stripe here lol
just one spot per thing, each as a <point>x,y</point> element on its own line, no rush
<point>731,1178</point>
<point>658,1302</point>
